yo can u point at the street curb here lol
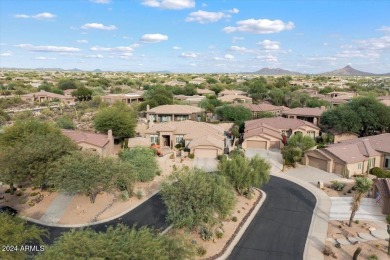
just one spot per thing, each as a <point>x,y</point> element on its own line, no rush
<point>317,234</point>
<point>166,230</point>
<point>244,227</point>
<point>91,223</point>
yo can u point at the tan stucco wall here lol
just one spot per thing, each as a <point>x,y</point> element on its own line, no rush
<point>353,168</point>
<point>259,138</point>
<point>101,151</point>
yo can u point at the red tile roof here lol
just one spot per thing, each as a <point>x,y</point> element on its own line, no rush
<point>99,140</point>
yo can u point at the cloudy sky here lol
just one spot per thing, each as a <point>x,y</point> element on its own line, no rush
<point>195,36</point>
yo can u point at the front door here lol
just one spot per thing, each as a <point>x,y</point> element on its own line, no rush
<point>387,162</point>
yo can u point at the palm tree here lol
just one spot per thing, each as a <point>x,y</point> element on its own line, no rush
<point>362,185</point>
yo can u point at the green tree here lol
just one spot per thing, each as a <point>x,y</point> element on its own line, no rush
<point>301,141</point>
<point>237,114</point>
<point>120,242</point>
<point>14,231</point>
<point>276,95</point>
<point>82,94</point>
<point>244,173</point>
<point>143,161</point>
<point>196,198</point>
<point>28,151</point>
<point>98,174</point>
<point>66,83</point>
<point>364,116</point>
<point>119,118</point>
<point>210,103</point>
<point>362,186</point>
<point>291,154</point>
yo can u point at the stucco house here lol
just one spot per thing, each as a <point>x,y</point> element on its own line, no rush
<point>257,109</point>
<point>100,143</point>
<point>43,96</point>
<point>125,98</point>
<point>267,133</point>
<point>309,114</point>
<point>228,92</point>
<point>204,92</point>
<point>235,99</point>
<point>203,139</point>
<point>167,113</point>
<point>352,157</point>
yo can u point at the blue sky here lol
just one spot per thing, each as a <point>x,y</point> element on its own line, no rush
<point>195,36</point>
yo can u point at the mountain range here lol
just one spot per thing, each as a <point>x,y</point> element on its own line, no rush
<point>346,71</point>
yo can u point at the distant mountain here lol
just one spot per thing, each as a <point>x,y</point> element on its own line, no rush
<point>275,71</point>
<point>348,71</point>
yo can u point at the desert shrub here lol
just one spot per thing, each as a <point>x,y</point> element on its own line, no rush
<point>191,156</point>
<point>205,233</point>
<point>65,123</point>
<point>143,161</point>
<point>139,194</point>
<point>373,257</point>
<point>380,173</point>
<point>234,219</point>
<point>201,251</point>
<point>329,252</point>
<point>338,186</point>
<point>219,233</point>
<point>32,194</point>
<point>124,196</point>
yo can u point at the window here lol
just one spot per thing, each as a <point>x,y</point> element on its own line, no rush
<point>359,166</point>
<point>311,133</point>
<point>371,163</point>
<point>179,138</point>
<point>154,139</point>
<point>284,132</point>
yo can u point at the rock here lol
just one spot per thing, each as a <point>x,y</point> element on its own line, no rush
<point>371,228</point>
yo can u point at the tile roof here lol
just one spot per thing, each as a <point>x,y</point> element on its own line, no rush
<point>99,140</point>
<point>231,98</point>
<point>279,123</point>
<point>44,93</point>
<point>232,92</point>
<point>379,142</point>
<point>175,109</point>
<point>262,107</point>
<point>263,130</point>
<point>204,91</point>
<point>304,111</point>
<point>206,141</point>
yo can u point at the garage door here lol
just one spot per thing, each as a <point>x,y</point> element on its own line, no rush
<point>318,163</point>
<point>206,153</point>
<point>274,145</point>
<point>256,144</point>
<point>338,168</point>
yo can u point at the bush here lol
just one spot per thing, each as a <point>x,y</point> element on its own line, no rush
<point>191,156</point>
<point>32,194</point>
<point>357,221</point>
<point>380,173</point>
<point>124,196</point>
<point>201,251</point>
<point>234,219</point>
<point>328,252</point>
<point>388,219</point>
<point>65,123</point>
<point>219,234</point>
<point>143,162</point>
<point>205,233</point>
<point>139,194</point>
<point>338,186</point>
<point>373,257</point>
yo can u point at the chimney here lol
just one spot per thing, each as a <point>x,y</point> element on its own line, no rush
<point>147,107</point>
<point>111,142</point>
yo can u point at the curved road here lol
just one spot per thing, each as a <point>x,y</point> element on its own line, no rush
<point>151,213</point>
<point>280,228</point>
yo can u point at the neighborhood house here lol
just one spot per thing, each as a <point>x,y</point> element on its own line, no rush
<point>167,113</point>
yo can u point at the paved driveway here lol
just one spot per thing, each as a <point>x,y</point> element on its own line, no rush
<point>207,164</point>
<point>313,175</point>
<point>274,157</point>
<point>369,210</point>
<point>280,228</point>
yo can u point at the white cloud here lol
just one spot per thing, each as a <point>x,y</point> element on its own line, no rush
<point>236,39</point>
<point>188,55</point>
<point>229,57</point>
<point>22,16</point>
<point>268,58</point>
<point>237,48</point>
<point>6,54</point>
<point>99,26</point>
<point>47,48</point>
<point>350,54</point>
<point>45,58</point>
<point>170,4</point>
<point>41,16</point>
<point>261,26</point>
<point>205,17</point>
<point>326,58</point>
<point>97,56</point>
<point>82,41</point>
<point>270,45</point>
<point>384,29</point>
<point>176,48</point>
<point>100,1</point>
<point>381,43</point>
<point>234,11</point>
<point>112,49</point>
<point>153,38</point>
